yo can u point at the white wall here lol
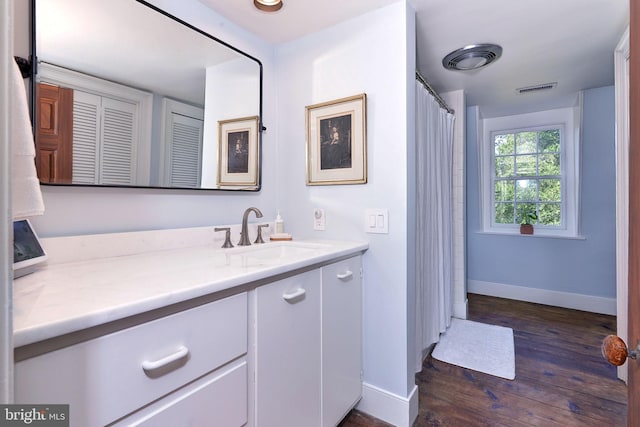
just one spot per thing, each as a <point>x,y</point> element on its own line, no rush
<point>231,92</point>
<point>72,211</point>
<point>456,100</point>
<point>7,19</point>
<point>374,54</point>
<point>572,273</point>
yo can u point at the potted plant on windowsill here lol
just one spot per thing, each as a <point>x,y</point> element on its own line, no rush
<point>526,225</point>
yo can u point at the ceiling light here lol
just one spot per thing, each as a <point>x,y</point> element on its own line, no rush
<point>472,57</point>
<point>268,5</point>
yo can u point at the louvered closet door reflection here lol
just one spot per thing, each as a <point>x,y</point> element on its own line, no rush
<point>86,134</point>
<point>104,140</point>
<point>119,136</point>
<point>186,151</point>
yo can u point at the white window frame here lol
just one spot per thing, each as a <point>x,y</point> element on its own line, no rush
<point>569,121</point>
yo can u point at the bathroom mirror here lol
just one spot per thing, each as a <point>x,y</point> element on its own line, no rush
<point>128,95</point>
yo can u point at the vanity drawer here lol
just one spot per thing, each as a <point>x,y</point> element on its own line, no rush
<point>109,377</point>
<point>218,399</point>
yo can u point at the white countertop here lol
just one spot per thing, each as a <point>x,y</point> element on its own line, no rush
<point>66,297</point>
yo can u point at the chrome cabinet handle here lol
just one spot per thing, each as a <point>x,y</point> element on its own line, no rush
<point>293,296</point>
<point>152,368</point>
<point>346,275</point>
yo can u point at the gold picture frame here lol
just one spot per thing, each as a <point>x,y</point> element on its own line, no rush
<point>337,141</point>
<point>238,152</point>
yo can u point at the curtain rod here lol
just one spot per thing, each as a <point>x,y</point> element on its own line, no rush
<point>432,91</point>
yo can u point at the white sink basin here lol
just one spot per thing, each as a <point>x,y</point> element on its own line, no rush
<point>272,253</point>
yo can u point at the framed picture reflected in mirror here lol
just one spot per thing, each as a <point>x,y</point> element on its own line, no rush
<point>238,152</point>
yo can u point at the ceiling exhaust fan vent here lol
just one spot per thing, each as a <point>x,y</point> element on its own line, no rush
<point>472,57</point>
<point>537,88</point>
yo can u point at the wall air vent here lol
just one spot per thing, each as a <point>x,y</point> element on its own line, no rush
<point>537,88</point>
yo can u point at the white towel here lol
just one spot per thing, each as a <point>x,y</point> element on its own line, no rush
<point>27,197</point>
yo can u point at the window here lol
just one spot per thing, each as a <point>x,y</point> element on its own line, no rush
<point>529,166</point>
<point>527,176</point>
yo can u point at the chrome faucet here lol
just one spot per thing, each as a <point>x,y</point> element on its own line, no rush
<point>244,233</point>
<point>259,238</point>
<point>227,237</point>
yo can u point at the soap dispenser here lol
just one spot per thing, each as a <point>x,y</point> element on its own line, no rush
<point>279,227</point>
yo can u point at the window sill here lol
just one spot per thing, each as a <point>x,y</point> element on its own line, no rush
<point>548,236</point>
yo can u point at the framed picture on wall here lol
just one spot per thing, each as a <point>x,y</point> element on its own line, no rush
<point>238,152</point>
<point>337,141</point>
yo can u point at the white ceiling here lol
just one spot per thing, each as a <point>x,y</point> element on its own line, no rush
<point>570,42</point>
<point>119,40</point>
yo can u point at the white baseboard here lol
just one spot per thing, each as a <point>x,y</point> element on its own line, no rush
<point>386,406</point>
<point>582,302</point>
<point>460,309</point>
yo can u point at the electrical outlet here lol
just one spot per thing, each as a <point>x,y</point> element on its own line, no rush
<point>318,219</point>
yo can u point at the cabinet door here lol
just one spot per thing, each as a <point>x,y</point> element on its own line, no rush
<point>288,352</point>
<point>341,339</point>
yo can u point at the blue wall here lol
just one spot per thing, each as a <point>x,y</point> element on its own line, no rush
<point>576,266</point>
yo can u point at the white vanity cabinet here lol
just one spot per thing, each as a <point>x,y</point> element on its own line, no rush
<point>288,351</point>
<point>271,338</point>
<point>341,339</point>
<point>309,347</point>
<point>184,356</point>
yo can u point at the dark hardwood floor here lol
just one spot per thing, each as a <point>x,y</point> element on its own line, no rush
<point>561,377</point>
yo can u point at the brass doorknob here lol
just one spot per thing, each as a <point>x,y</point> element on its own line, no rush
<point>615,351</point>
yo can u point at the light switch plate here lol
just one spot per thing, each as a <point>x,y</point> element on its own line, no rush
<point>376,221</point>
<point>319,219</point>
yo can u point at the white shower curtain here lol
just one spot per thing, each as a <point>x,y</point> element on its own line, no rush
<point>434,221</point>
